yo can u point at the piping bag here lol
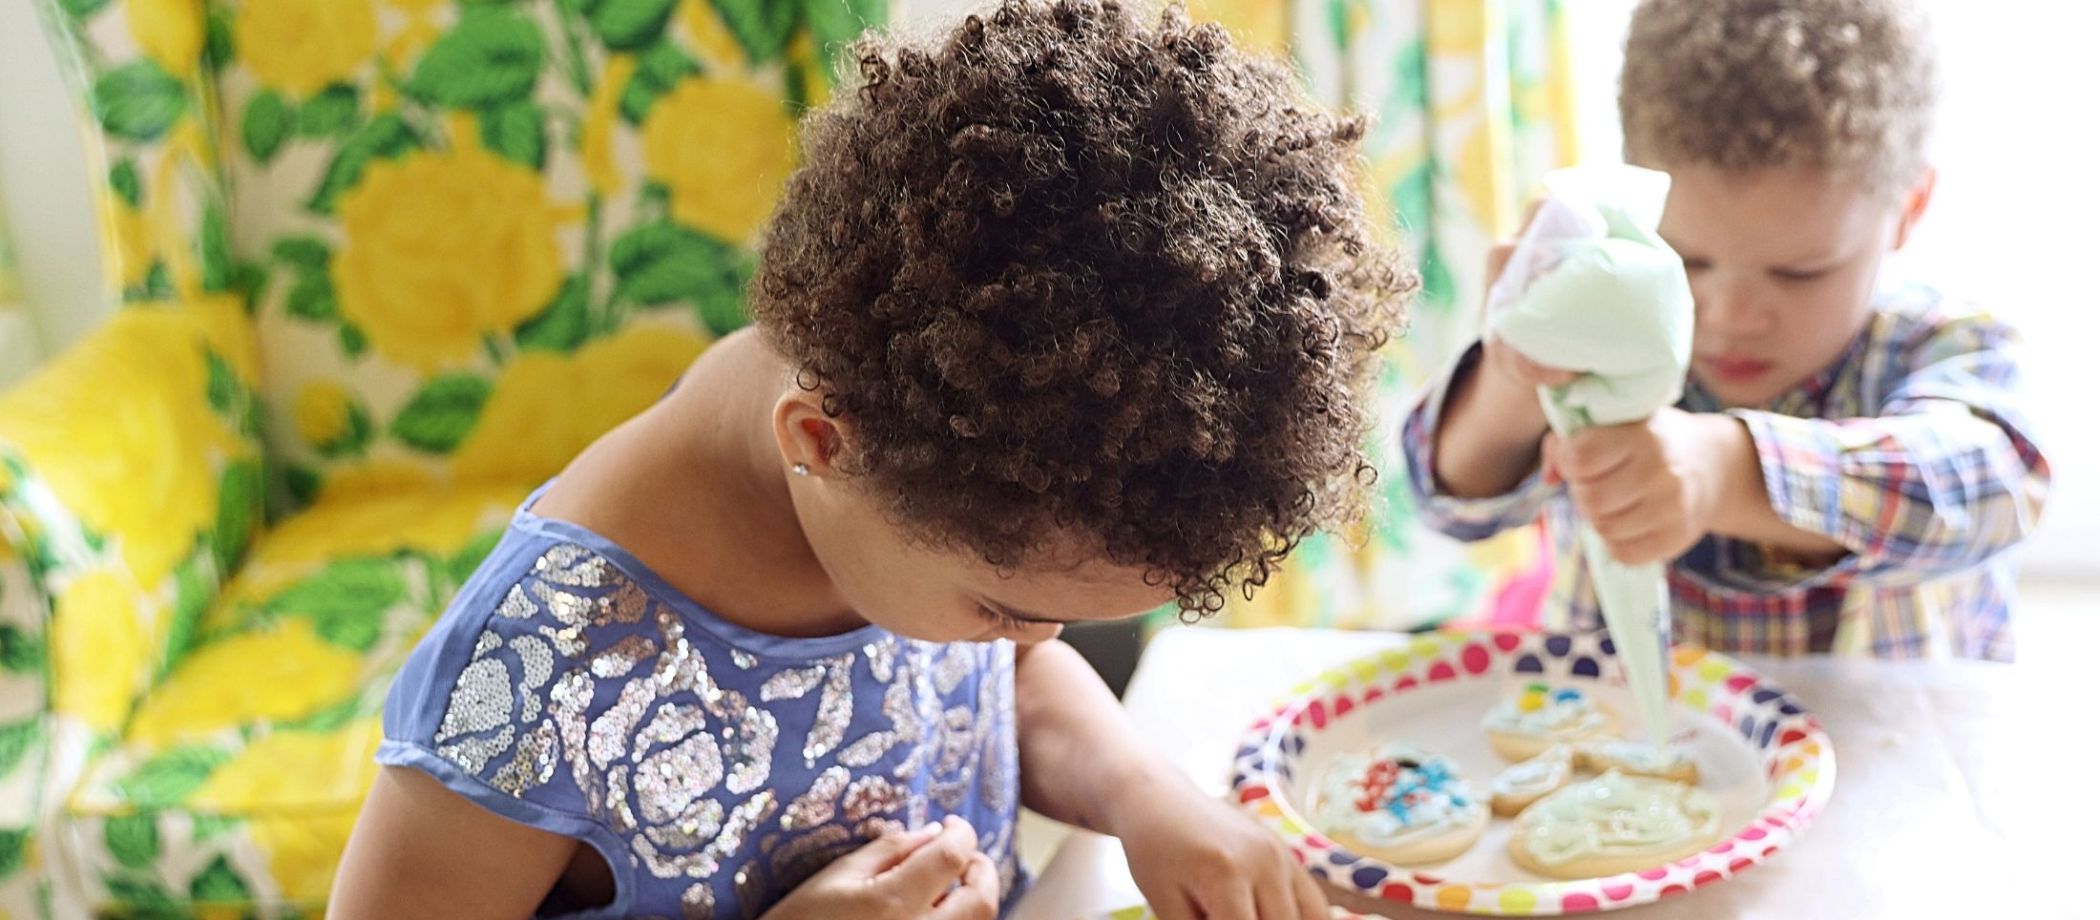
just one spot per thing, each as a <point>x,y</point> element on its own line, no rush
<point>1590,288</point>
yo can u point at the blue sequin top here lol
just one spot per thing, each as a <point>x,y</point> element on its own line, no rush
<point>715,768</point>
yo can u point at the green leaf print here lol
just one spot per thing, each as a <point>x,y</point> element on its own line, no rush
<point>663,262</point>
<point>265,125</point>
<point>307,252</point>
<point>124,180</point>
<point>143,898</point>
<point>240,501</point>
<point>761,26</point>
<point>16,740</point>
<point>20,652</point>
<point>218,38</point>
<point>205,827</point>
<point>439,417</point>
<point>312,297</point>
<point>138,101</point>
<point>219,884</point>
<point>214,250</point>
<point>462,565</point>
<point>659,70</point>
<point>346,600</point>
<point>222,389</point>
<point>352,339</point>
<point>193,595</point>
<point>517,132</point>
<point>82,9</point>
<point>303,482</point>
<point>330,112</point>
<point>564,324</point>
<point>625,25</point>
<point>169,777</point>
<point>385,136</point>
<point>493,56</point>
<point>834,23</point>
<point>14,844</point>
<point>133,839</point>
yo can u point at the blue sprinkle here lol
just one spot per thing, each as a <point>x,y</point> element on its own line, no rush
<point>1567,695</point>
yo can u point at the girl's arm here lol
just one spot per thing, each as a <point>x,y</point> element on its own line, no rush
<point>1083,763</point>
<point>420,850</point>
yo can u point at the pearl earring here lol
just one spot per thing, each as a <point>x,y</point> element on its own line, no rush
<point>799,469</point>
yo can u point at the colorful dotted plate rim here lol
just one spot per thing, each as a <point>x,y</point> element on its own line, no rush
<point>1800,768</point>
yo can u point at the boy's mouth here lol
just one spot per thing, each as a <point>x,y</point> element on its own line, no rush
<point>1734,368</point>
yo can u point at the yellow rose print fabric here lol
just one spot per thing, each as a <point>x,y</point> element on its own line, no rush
<point>471,237</point>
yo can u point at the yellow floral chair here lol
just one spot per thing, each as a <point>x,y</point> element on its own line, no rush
<point>386,265</point>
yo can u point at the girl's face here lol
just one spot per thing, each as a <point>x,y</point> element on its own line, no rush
<point>938,594</point>
<point>941,595</point>
<point>1782,265</point>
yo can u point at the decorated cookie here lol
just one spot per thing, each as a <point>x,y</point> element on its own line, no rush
<point>1521,784</point>
<point>1638,758</point>
<point>1538,717</point>
<point>1613,823</point>
<point>1399,804</point>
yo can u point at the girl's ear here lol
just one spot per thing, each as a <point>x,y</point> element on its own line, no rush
<point>810,440</point>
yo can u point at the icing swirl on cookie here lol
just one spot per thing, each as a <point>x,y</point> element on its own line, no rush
<point>1616,815</point>
<point>1566,713</point>
<point>1537,776</point>
<point>1393,795</point>
<point>1636,756</point>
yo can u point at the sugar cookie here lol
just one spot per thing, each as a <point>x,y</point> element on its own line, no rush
<point>1611,824</point>
<point>1521,784</point>
<point>1538,717</point>
<point>1399,804</point>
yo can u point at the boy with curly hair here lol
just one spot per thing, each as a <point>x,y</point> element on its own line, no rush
<point>1063,317</point>
<point>1849,464</point>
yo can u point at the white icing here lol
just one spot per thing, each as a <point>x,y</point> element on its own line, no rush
<point>1537,776</point>
<point>1616,815</point>
<point>1639,756</point>
<point>1560,719</point>
<point>1443,800</point>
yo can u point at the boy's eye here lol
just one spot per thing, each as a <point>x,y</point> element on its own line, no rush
<point>1696,265</point>
<point>1796,277</point>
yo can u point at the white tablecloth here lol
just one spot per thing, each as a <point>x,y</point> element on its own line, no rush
<point>1964,788</point>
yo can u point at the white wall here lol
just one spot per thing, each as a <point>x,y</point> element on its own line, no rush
<point>44,199</point>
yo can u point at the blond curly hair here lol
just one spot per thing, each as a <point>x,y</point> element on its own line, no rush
<point>1844,86</point>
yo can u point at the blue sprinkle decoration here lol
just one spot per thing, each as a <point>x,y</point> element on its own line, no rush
<point>1567,695</point>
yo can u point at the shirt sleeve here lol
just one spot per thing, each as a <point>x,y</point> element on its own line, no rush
<point>1946,477</point>
<point>1461,518</point>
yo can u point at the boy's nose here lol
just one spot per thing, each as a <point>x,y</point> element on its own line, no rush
<point>1732,312</point>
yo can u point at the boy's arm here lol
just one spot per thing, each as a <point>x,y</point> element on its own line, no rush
<point>1472,449</point>
<point>1947,476</point>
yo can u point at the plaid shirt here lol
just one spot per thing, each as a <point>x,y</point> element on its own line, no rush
<point>1910,451</point>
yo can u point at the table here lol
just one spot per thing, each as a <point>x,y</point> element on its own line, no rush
<point>1962,789</point>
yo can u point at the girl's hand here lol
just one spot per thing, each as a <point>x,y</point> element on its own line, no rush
<point>1196,857</point>
<point>933,873</point>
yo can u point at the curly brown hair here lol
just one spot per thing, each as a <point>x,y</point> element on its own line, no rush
<point>1064,273</point>
<point>1841,85</point>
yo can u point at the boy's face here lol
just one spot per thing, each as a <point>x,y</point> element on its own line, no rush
<point>1782,265</point>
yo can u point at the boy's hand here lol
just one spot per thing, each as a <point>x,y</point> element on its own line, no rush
<point>1196,857</point>
<point>934,873</point>
<point>1651,489</point>
<point>1511,369</point>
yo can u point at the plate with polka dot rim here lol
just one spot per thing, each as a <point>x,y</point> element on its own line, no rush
<point>1760,753</point>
